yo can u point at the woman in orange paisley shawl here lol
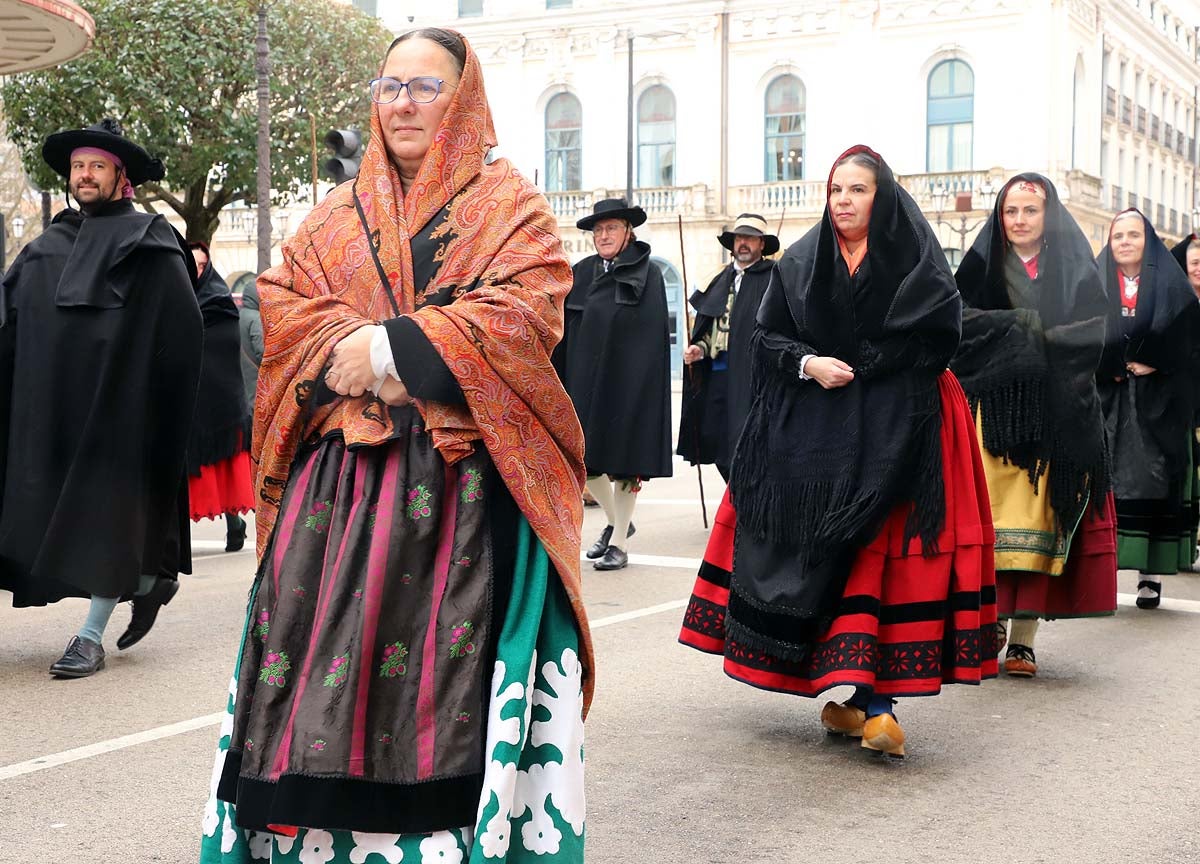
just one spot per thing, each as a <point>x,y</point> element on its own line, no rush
<point>419,473</point>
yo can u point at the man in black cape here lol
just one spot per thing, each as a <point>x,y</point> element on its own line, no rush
<point>615,362</point>
<point>100,342</point>
<point>716,386</point>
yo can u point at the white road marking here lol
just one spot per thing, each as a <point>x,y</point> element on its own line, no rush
<point>19,769</point>
<point>8,772</point>
<point>1171,604</point>
<point>636,613</point>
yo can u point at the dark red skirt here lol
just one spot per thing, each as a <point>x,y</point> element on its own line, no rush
<point>225,487</point>
<point>932,619</point>
<point>1088,584</point>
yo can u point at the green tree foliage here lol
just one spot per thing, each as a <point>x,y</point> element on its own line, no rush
<point>179,76</point>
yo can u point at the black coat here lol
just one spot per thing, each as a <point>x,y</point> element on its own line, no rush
<point>100,343</point>
<point>222,424</point>
<point>615,363</point>
<point>716,402</point>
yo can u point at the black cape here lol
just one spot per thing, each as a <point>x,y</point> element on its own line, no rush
<point>222,425</point>
<point>1029,352</point>
<point>817,472</point>
<point>1147,418</point>
<point>716,402</point>
<point>100,342</point>
<point>615,363</point>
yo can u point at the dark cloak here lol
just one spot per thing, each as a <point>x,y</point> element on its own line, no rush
<point>716,402</point>
<point>615,363</point>
<point>1179,251</point>
<point>1029,352</point>
<point>221,428</point>
<point>1149,415</point>
<point>100,345</point>
<point>817,472</point>
<point>250,328</point>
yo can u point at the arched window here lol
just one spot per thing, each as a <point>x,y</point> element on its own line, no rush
<point>656,137</point>
<point>564,144</point>
<point>950,114</point>
<point>784,115</point>
<point>673,286</point>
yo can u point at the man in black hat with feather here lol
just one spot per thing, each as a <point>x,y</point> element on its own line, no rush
<point>716,387</point>
<point>100,343</point>
<point>615,363</point>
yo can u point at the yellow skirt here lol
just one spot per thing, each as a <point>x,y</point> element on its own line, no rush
<point>1028,534</point>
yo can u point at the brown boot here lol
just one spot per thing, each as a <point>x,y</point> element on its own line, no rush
<point>843,719</point>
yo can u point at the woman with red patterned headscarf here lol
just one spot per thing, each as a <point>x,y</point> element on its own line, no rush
<point>1033,332</point>
<point>863,551</point>
<point>419,473</point>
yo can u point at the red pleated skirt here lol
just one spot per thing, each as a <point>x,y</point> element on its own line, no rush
<point>935,618</point>
<point>225,487</point>
<point>1088,584</point>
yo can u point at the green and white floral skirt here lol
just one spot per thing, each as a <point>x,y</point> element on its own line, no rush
<point>532,805</point>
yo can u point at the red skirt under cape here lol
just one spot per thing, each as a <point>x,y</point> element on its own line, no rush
<point>932,619</point>
<point>225,487</point>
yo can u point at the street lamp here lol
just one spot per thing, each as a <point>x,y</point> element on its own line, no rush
<point>18,226</point>
<point>1195,220</point>
<point>964,203</point>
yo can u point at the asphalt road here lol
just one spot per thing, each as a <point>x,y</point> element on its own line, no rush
<point>1095,760</point>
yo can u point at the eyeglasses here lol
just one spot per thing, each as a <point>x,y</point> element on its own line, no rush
<point>420,90</point>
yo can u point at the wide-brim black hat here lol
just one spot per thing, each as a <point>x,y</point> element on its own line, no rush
<point>612,208</point>
<point>139,165</point>
<point>750,225</point>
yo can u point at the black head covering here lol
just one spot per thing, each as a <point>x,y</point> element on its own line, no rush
<point>140,166</point>
<point>1165,302</point>
<point>212,292</point>
<point>1179,250</point>
<point>1028,358</point>
<point>817,471</point>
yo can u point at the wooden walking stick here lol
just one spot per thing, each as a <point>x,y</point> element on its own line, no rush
<point>687,314</point>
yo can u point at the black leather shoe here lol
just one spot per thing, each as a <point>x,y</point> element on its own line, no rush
<point>82,658</point>
<point>597,549</point>
<point>235,535</point>
<point>145,611</point>
<point>1149,602</point>
<point>614,559</point>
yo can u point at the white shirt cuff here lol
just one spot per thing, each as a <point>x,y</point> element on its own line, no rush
<point>383,363</point>
<point>803,362</point>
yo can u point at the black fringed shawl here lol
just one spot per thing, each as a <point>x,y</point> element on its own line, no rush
<point>1029,367</point>
<point>1159,335</point>
<point>219,430</point>
<point>817,472</point>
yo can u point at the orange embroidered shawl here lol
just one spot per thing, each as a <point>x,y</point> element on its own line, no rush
<point>499,243</point>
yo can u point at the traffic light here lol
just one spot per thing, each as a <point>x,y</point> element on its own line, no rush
<point>347,147</point>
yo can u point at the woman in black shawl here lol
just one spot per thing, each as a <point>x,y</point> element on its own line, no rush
<point>1187,253</point>
<point>1033,332</point>
<point>861,549</point>
<point>1145,385</point>
<point>219,449</point>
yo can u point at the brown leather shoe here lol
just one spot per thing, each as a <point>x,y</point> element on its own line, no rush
<point>843,719</point>
<point>1019,661</point>
<point>883,734</point>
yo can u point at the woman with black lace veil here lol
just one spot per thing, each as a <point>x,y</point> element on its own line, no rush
<point>1033,332</point>
<point>855,544</point>
<point>1145,383</point>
